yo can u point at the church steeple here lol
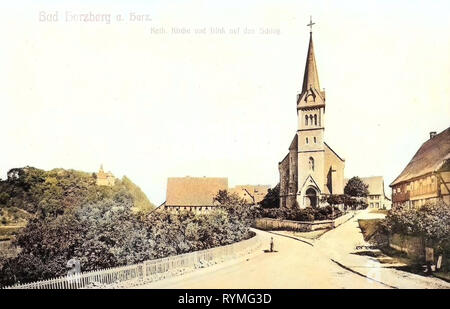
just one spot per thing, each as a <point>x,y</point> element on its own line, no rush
<point>311,94</point>
<point>311,77</point>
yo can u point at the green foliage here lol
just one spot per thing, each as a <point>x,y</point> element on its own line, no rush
<point>224,198</point>
<point>107,233</point>
<point>431,221</point>
<point>305,214</point>
<point>51,193</point>
<point>13,216</point>
<point>334,199</point>
<point>4,197</point>
<point>241,215</point>
<point>140,200</point>
<point>346,200</point>
<point>356,187</point>
<point>272,198</point>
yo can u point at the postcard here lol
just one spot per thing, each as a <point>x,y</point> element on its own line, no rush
<point>254,145</point>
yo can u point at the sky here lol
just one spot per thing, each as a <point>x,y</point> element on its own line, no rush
<point>148,104</point>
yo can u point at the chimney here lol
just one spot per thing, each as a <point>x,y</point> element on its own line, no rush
<point>432,134</point>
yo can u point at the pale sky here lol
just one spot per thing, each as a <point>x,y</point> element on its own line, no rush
<point>156,105</point>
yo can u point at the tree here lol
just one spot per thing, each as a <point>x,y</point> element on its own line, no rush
<point>141,202</point>
<point>272,198</point>
<point>223,197</point>
<point>4,197</point>
<point>241,215</point>
<point>71,217</point>
<point>356,187</point>
<point>334,199</point>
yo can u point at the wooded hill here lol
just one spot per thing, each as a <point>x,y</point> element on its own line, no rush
<point>34,192</point>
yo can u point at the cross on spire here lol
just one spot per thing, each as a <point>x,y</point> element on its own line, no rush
<point>310,24</point>
<point>311,77</point>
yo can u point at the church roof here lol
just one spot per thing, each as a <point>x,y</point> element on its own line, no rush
<point>429,158</point>
<point>193,191</point>
<point>311,77</point>
<point>334,152</point>
<point>294,143</point>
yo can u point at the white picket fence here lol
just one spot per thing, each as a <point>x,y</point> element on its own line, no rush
<point>148,268</point>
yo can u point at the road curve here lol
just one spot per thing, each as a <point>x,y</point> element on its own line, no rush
<point>294,265</point>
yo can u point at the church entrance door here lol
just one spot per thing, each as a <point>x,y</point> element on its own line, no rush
<point>311,198</point>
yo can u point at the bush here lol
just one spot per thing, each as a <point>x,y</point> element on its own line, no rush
<point>297,214</point>
<point>272,198</point>
<point>109,234</point>
<point>431,221</point>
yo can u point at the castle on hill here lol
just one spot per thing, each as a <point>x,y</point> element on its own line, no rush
<point>105,178</point>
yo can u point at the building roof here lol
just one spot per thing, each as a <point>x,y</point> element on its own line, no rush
<point>326,145</point>
<point>251,193</point>
<point>375,183</point>
<point>429,158</point>
<point>294,143</point>
<point>311,77</point>
<point>193,191</point>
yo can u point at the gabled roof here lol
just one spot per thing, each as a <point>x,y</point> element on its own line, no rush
<point>375,183</point>
<point>311,180</point>
<point>194,191</point>
<point>334,152</point>
<point>294,143</point>
<point>293,146</point>
<point>429,158</point>
<point>251,193</point>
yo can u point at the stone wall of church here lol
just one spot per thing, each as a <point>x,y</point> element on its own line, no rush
<point>309,167</point>
<point>283,168</point>
<point>334,180</point>
<point>293,178</point>
<point>288,179</point>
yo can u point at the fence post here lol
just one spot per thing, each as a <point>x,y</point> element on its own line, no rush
<point>123,273</point>
<point>144,270</point>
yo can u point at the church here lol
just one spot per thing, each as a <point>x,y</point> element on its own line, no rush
<point>311,169</point>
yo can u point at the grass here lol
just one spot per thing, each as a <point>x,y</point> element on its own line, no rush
<point>379,211</point>
<point>13,216</point>
<point>442,275</point>
<point>413,265</point>
<point>7,231</point>
<point>369,227</point>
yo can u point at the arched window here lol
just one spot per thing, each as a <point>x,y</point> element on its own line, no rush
<point>306,120</point>
<point>315,119</point>
<point>307,140</point>
<point>311,163</point>
<point>315,140</point>
<point>311,119</point>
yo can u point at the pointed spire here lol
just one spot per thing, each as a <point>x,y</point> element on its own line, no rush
<point>311,77</point>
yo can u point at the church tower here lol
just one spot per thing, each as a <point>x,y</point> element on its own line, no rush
<point>311,169</point>
<point>310,134</point>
